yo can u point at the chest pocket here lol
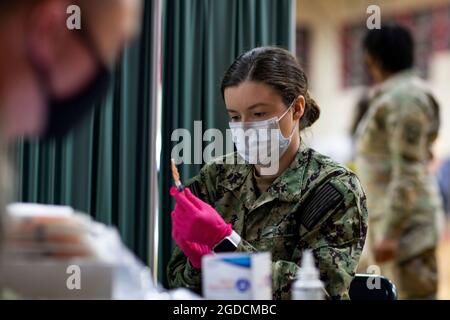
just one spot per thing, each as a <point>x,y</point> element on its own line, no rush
<point>283,237</point>
<point>280,238</point>
<point>286,228</point>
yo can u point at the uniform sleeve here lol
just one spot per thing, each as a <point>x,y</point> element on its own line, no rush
<point>337,240</point>
<point>180,272</point>
<point>407,125</point>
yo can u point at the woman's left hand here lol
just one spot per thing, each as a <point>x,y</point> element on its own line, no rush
<point>196,221</point>
<point>193,251</point>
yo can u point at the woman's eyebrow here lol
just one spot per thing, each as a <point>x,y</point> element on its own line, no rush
<point>253,106</point>
<point>259,104</point>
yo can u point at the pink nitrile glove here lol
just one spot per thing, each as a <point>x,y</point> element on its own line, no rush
<point>193,251</point>
<point>197,221</point>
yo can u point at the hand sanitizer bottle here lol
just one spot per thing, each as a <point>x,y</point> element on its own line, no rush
<point>308,285</point>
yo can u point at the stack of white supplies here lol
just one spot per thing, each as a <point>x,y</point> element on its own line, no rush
<point>52,252</point>
<point>39,231</point>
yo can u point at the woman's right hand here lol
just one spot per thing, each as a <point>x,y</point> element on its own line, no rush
<point>196,220</point>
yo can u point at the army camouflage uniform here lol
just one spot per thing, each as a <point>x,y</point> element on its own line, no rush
<point>393,150</point>
<point>315,204</point>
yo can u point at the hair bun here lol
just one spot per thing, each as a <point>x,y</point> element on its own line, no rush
<point>312,112</point>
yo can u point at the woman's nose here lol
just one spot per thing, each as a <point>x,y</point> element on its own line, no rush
<point>244,118</point>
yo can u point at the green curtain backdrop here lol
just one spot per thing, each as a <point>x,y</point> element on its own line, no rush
<point>102,167</point>
<point>201,38</point>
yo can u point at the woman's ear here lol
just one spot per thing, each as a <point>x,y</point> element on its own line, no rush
<point>299,107</point>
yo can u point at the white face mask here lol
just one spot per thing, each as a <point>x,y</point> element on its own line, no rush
<point>261,142</point>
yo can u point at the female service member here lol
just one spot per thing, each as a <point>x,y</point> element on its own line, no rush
<point>311,202</point>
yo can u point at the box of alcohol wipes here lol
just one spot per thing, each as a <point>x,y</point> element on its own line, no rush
<point>237,276</point>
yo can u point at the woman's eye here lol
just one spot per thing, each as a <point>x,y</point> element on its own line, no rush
<point>235,118</point>
<point>260,114</point>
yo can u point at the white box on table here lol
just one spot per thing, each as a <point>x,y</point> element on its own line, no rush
<point>50,279</point>
<point>237,276</point>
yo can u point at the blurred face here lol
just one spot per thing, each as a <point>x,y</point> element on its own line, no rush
<point>254,101</point>
<point>55,63</point>
<point>115,25</point>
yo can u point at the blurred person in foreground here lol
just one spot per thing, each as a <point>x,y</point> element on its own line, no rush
<point>50,75</point>
<point>393,152</point>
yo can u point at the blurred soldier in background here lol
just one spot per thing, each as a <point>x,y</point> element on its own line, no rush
<point>393,151</point>
<point>50,75</point>
<point>444,184</point>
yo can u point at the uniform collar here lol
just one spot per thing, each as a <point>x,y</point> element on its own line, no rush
<point>286,187</point>
<point>393,81</point>
<point>235,174</point>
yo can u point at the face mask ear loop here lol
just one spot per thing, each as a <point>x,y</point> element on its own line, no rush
<point>293,129</point>
<point>290,107</point>
<point>279,119</point>
<point>285,113</point>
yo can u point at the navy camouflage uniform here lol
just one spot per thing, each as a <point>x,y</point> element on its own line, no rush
<point>315,204</point>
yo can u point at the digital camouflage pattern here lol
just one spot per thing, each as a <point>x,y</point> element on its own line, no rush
<point>286,219</point>
<point>393,148</point>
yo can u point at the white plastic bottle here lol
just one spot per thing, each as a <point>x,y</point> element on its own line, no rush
<point>308,285</point>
